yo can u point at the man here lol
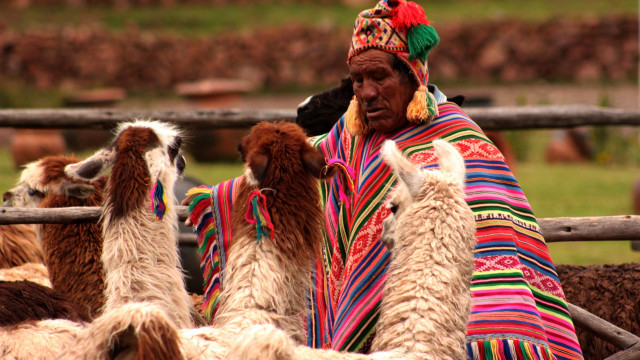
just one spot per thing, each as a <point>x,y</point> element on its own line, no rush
<point>518,307</point>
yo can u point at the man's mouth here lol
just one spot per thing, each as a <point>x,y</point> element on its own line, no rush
<point>373,111</point>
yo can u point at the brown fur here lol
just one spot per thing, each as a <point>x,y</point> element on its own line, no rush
<point>283,161</point>
<point>154,333</point>
<point>72,253</point>
<point>130,167</point>
<point>607,291</point>
<point>19,245</point>
<point>265,280</point>
<point>25,300</point>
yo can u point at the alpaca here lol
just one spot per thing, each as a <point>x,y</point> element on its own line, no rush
<point>607,291</point>
<point>19,245</point>
<point>72,251</point>
<point>140,250</point>
<point>266,275</point>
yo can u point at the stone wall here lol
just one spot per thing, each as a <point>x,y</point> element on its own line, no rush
<point>600,49</point>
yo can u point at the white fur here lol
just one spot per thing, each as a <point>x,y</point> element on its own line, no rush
<point>428,284</point>
<point>140,254</point>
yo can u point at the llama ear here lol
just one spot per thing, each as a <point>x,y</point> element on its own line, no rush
<point>407,172</point>
<point>76,190</point>
<point>450,161</point>
<point>93,167</point>
<point>258,164</point>
<point>316,163</point>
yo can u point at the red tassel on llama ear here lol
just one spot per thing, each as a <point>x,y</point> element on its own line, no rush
<point>158,200</point>
<point>345,180</point>
<point>258,214</point>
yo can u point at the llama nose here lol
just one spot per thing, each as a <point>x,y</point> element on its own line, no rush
<point>6,197</point>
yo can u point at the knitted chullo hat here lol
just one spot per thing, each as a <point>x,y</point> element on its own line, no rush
<point>401,28</point>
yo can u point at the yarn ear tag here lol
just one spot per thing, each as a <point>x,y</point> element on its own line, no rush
<point>158,200</point>
<point>258,214</point>
<point>346,177</point>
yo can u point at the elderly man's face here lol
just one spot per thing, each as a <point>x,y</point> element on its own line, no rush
<point>383,92</point>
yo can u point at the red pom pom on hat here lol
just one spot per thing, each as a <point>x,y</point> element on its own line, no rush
<point>407,14</point>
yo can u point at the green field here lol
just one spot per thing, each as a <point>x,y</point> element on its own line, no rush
<point>197,20</point>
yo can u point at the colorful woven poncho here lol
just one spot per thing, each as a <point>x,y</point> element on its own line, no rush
<point>518,306</point>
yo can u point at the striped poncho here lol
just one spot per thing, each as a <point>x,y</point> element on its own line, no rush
<point>518,307</point>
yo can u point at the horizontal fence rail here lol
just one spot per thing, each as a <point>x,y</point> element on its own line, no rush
<point>598,228</point>
<point>493,118</point>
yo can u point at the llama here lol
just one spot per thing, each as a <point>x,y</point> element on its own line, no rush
<point>140,250</point>
<point>431,206</point>
<point>41,340</point>
<point>267,274</point>
<point>71,251</point>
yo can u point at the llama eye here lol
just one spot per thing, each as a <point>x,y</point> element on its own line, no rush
<point>34,192</point>
<point>393,208</point>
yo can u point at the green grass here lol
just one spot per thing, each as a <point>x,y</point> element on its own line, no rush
<point>206,20</point>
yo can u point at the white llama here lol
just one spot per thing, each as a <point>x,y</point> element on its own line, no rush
<point>140,250</point>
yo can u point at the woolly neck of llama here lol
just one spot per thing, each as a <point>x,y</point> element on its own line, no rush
<point>266,280</point>
<point>431,239</point>
<point>140,251</point>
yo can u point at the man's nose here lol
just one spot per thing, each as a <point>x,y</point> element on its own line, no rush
<point>369,91</point>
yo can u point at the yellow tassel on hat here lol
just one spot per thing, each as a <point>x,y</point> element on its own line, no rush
<point>354,118</point>
<point>423,107</point>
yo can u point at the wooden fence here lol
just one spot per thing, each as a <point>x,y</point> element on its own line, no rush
<point>604,228</point>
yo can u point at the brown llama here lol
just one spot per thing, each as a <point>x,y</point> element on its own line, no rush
<point>72,251</point>
<point>266,274</point>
